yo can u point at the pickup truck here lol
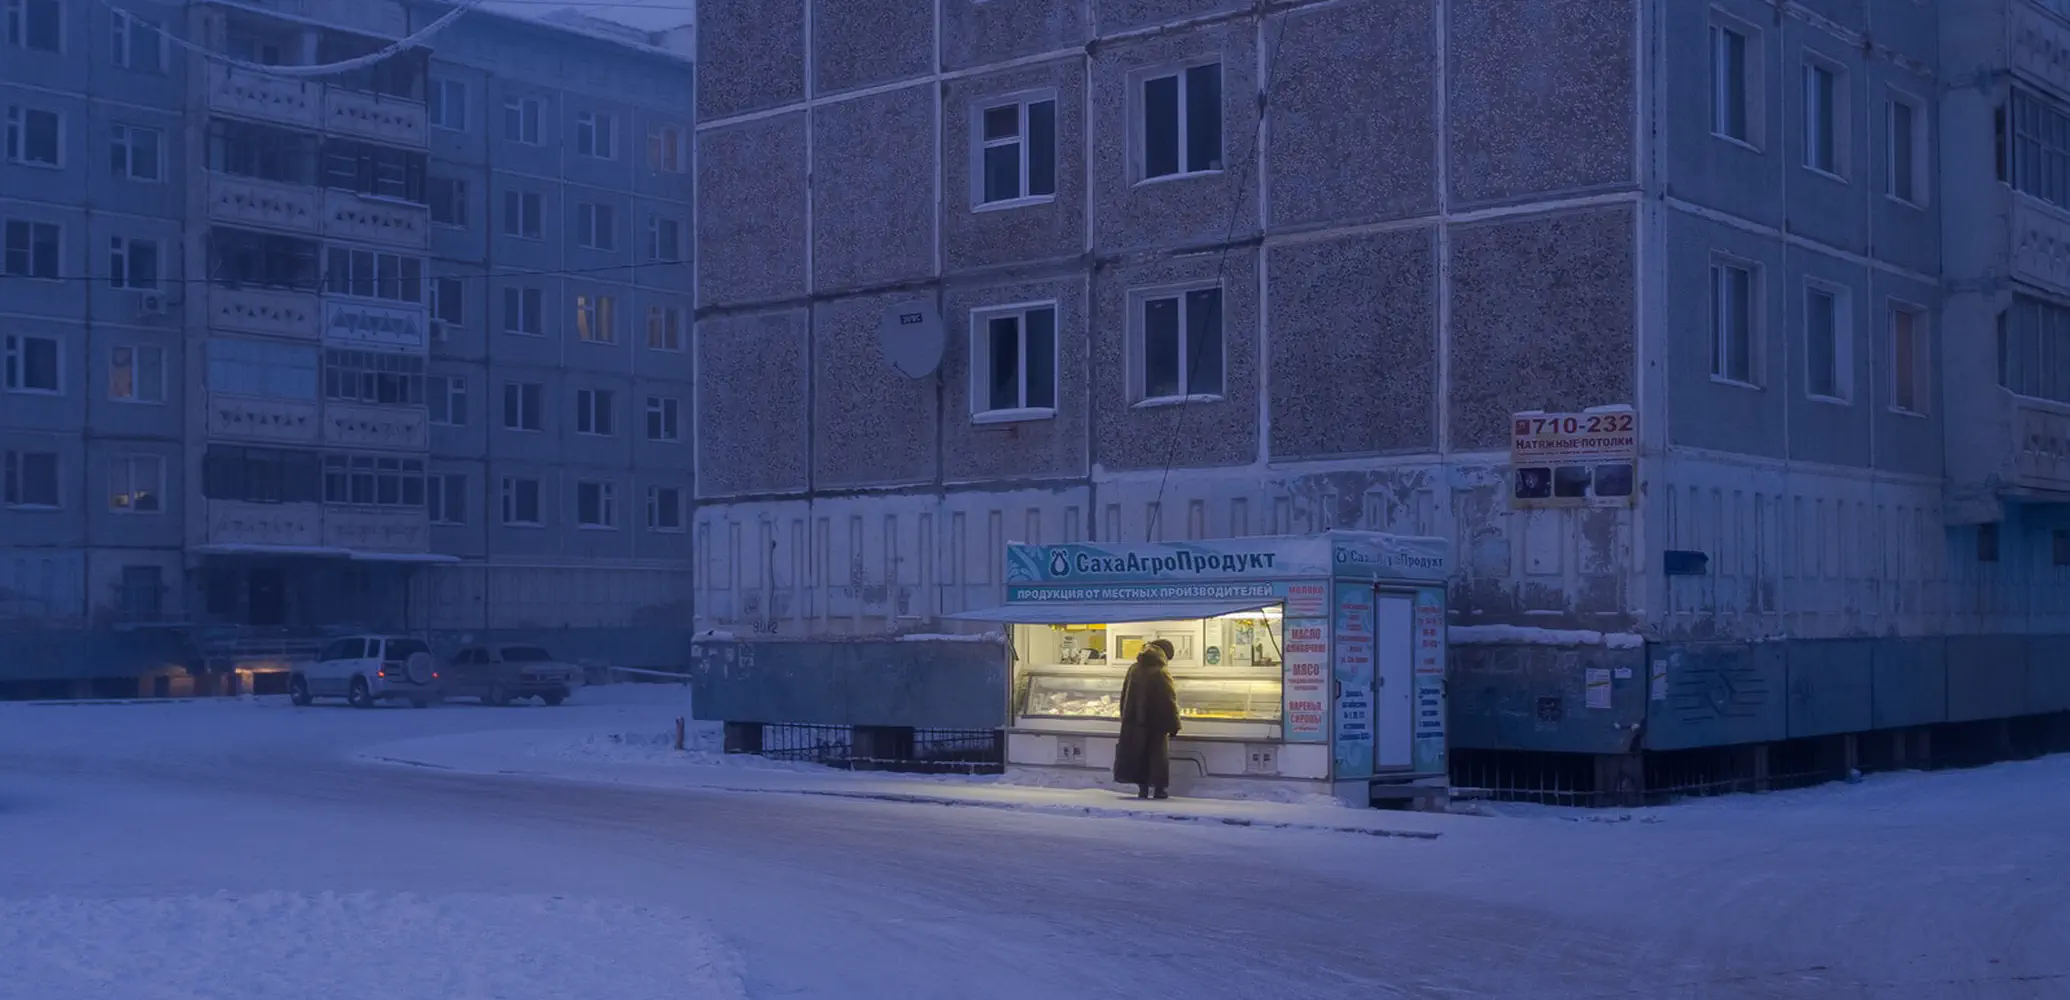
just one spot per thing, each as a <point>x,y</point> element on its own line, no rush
<point>499,675</point>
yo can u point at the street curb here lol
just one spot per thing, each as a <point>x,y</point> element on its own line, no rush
<point>1092,812</point>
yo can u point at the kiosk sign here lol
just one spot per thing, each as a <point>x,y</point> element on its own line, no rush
<point>1353,673</point>
<point>1307,668</point>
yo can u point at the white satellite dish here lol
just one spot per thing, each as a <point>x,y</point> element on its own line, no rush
<point>911,337</point>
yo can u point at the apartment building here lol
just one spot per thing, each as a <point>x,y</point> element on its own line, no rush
<point>1215,268</point>
<point>256,343</point>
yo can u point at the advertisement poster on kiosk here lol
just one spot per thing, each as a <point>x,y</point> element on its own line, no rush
<point>1353,676</point>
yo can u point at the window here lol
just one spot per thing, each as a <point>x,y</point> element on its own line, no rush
<point>1013,370</point>
<point>596,504</point>
<point>1732,82</point>
<point>35,24</point>
<point>596,135</point>
<point>241,257</point>
<point>665,148</point>
<point>262,368</point>
<point>1825,122</point>
<point>1987,543</point>
<point>1827,359</point>
<point>137,153</point>
<point>524,311</point>
<point>664,239</point>
<point>2040,148</point>
<point>445,497</point>
<point>448,302</point>
<point>375,274</point>
<point>1017,151</point>
<point>34,364</point>
<point>2059,547</point>
<point>139,44</point>
<point>1906,152</point>
<point>448,105</point>
<point>34,136</point>
<point>521,501</point>
<point>448,198</point>
<point>1910,360</point>
<point>136,485</point>
<point>522,406</point>
<point>664,418</point>
<point>248,149</point>
<point>593,412</point>
<point>143,592</point>
<point>373,481</point>
<point>446,396</point>
<point>2034,349</point>
<point>374,170</point>
<point>31,250</point>
<point>261,475</point>
<point>1181,126</point>
<point>664,508</point>
<point>595,226</point>
<point>136,374</point>
<point>665,328</point>
<point>521,214</point>
<point>1178,349</point>
<point>596,319</point>
<point>377,377</point>
<point>521,119</point>
<point>31,479</point>
<point>132,263</point>
<point>1732,322</point>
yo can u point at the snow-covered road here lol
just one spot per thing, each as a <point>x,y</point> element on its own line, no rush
<point>233,850</point>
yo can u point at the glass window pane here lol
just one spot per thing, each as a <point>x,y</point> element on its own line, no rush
<point>1002,172</point>
<point>1160,348</point>
<point>1821,354</point>
<point>1039,339</point>
<point>1204,341</point>
<point>1003,343</point>
<point>1002,122</point>
<point>1204,118</point>
<point>1042,148</point>
<point>1161,126</point>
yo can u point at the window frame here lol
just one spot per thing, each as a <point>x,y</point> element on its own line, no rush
<point>596,319</point>
<point>455,189</point>
<point>981,412</point>
<point>14,137</point>
<point>664,419</point>
<point>14,17</point>
<point>13,479</point>
<point>1139,300</point>
<point>1921,194</point>
<point>446,301</point>
<point>1750,82</point>
<point>14,368</point>
<point>123,136</point>
<point>123,249</point>
<point>441,393</point>
<point>593,218</point>
<point>654,505</point>
<point>1022,101</point>
<point>526,296</point>
<point>535,409</point>
<point>1139,120</point>
<point>128,465</point>
<point>655,224</point>
<point>606,505</point>
<point>440,104</point>
<point>31,227</point>
<point>1840,127</point>
<point>601,125</point>
<point>1720,372</point>
<point>136,354</point>
<point>668,321</point>
<point>523,200</point>
<point>441,491</point>
<point>1922,356</point>
<point>1843,341</point>
<point>668,141</point>
<point>596,412</point>
<point>510,506</point>
<point>126,26</point>
<point>531,112</point>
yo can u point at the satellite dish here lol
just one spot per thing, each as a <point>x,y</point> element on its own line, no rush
<point>911,337</point>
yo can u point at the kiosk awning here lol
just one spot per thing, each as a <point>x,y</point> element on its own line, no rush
<point>1105,612</point>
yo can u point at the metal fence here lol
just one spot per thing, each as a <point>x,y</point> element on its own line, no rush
<point>866,748</point>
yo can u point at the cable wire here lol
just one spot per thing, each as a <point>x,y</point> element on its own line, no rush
<point>6,280</point>
<point>1221,270</point>
<point>413,40</point>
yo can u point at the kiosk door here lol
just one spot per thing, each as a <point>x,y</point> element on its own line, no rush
<point>1394,681</point>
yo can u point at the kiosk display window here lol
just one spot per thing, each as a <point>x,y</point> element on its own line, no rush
<point>1225,669</point>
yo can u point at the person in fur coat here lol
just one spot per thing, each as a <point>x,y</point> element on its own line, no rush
<point>1149,719</point>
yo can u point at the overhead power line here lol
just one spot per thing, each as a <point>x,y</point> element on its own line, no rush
<point>413,40</point>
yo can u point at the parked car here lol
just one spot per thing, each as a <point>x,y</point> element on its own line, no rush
<point>500,674</point>
<point>365,669</point>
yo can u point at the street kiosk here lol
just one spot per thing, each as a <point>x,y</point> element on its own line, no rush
<point>1313,662</point>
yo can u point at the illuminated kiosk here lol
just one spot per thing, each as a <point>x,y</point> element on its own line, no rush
<point>1313,662</point>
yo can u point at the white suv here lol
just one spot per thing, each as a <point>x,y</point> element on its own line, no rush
<point>364,669</point>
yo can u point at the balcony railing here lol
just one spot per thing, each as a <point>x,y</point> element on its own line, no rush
<point>246,418</point>
<point>362,529</point>
<point>2042,458</point>
<point>265,204</point>
<point>374,116</point>
<point>267,311</point>
<point>2040,252</point>
<point>315,529</point>
<point>359,426</point>
<point>348,216</point>
<point>265,525</point>
<point>2038,46</point>
<point>263,96</point>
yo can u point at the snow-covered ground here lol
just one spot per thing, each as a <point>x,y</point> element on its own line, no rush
<point>250,849</point>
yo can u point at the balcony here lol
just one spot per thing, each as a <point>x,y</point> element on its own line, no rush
<point>376,530</point>
<point>2038,46</point>
<point>393,427</point>
<point>2042,458</point>
<point>348,216</point>
<point>393,120</point>
<point>269,525</point>
<point>267,311</point>
<point>265,204</point>
<point>274,421</point>
<point>2040,244</point>
<point>267,98</point>
<point>391,326</point>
